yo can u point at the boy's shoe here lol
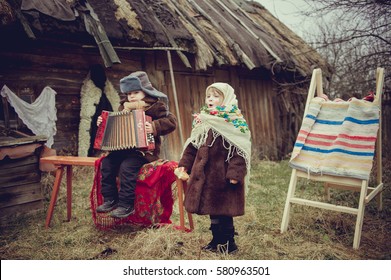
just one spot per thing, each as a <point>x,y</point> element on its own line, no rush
<point>107,206</point>
<point>122,212</point>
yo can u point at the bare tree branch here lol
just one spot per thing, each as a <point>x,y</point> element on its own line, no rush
<point>355,37</point>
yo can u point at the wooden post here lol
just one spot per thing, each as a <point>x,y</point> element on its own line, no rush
<point>178,115</point>
<point>379,156</point>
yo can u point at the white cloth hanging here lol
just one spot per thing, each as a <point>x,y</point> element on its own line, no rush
<point>40,116</point>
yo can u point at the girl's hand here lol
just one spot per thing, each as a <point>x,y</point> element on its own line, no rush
<point>181,173</point>
<point>233,181</point>
<point>148,127</point>
<point>99,121</point>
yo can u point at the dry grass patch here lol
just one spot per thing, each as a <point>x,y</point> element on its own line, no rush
<point>313,234</point>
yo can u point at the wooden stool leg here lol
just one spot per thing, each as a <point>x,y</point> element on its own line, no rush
<point>189,215</point>
<point>69,192</point>
<point>182,187</point>
<point>180,203</point>
<point>53,199</point>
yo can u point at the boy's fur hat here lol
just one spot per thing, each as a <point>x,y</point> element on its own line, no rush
<point>139,81</point>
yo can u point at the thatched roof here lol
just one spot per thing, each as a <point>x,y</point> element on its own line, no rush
<point>217,32</point>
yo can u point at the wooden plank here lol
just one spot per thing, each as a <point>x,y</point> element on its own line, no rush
<point>18,179</point>
<point>20,194</point>
<point>373,193</point>
<point>323,205</point>
<point>8,163</point>
<point>19,170</point>
<point>331,179</point>
<point>70,160</point>
<point>24,140</point>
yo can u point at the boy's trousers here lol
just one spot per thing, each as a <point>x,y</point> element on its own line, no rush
<point>126,165</point>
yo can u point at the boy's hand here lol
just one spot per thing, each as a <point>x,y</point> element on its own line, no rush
<point>148,127</point>
<point>99,121</point>
<point>233,181</point>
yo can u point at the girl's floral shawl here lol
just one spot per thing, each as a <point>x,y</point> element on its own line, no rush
<point>226,121</point>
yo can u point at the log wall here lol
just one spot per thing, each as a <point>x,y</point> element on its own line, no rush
<point>64,67</point>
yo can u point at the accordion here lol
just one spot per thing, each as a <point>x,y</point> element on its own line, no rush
<point>123,130</point>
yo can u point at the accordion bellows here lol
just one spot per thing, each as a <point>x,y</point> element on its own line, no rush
<point>337,138</point>
<point>123,130</point>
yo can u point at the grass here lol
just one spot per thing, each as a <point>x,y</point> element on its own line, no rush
<point>313,234</point>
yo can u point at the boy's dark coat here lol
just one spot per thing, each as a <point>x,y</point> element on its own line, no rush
<point>209,191</point>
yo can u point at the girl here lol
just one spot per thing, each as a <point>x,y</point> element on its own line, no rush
<point>217,157</point>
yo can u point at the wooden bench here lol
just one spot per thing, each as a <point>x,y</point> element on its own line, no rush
<point>61,162</point>
<point>68,161</point>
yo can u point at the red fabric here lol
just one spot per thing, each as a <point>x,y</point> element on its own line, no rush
<point>370,97</point>
<point>154,201</point>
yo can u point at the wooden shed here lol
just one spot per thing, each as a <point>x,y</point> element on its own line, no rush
<point>20,176</point>
<point>82,48</point>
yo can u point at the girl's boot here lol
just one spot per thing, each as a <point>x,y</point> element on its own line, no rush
<point>216,238</point>
<point>227,242</point>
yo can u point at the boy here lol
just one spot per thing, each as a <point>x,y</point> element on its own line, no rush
<point>126,164</point>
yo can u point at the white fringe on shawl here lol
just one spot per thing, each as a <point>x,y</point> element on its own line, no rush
<point>233,139</point>
<point>90,96</point>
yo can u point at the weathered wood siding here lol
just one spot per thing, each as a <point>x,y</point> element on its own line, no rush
<point>20,186</point>
<point>65,67</point>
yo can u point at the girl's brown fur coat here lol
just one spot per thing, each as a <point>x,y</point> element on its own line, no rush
<point>209,190</point>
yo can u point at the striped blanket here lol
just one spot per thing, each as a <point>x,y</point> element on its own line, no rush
<point>337,138</point>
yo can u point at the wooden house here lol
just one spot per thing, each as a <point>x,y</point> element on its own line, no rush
<point>183,45</point>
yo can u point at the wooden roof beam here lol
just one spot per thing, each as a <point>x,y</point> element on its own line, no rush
<point>96,29</point>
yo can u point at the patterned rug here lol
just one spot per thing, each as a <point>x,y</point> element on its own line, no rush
<point>337,138</point>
